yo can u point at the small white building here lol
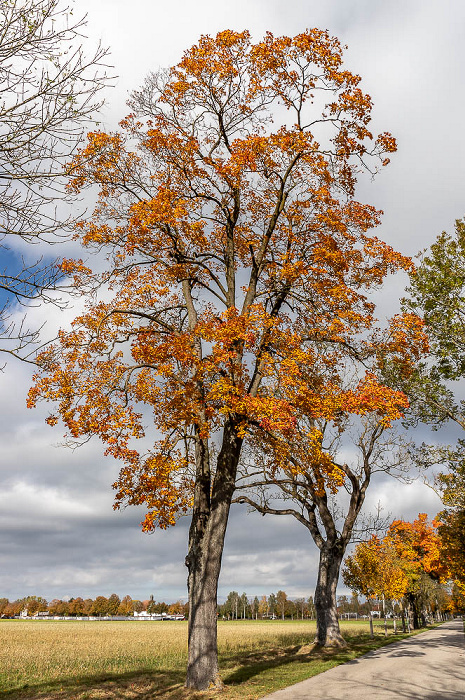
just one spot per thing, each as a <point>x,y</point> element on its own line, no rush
<point>144,615</point>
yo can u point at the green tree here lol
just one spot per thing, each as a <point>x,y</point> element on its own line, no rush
<point>272,604</point>
<point>244,605</point>
<point>160,607</point>
<point>437,292</point>
<point>281,602</point>
<point>254,607</point>
<point>301,606</point>
<point>232,604</point>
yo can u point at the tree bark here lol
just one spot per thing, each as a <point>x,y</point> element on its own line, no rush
<point>206,541</point>
<point>327,624</point>
<point>413,614</point>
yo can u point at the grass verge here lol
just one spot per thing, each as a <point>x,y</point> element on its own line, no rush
<point>47,660</point>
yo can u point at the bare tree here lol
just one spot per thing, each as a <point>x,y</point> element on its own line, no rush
<point>326,495</point>
<point>49,90</point>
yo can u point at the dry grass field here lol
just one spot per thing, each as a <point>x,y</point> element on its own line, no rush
<point>60,660</point>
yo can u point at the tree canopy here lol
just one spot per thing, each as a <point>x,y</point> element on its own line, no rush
<point>405,564</point>
<point>238,267</point>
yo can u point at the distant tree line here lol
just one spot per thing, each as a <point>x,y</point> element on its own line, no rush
<point>279,605</point>
<point>83,607</point>
<point>236,607</point>
<point>241,607</point>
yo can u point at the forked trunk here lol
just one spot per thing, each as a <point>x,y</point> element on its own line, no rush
<point>206,541</point>
<point>327,624</point>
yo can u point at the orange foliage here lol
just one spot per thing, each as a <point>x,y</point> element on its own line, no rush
<point>419,546</point>
<point>374,569</point>
<point>391,566</point>
<point>238,267</point>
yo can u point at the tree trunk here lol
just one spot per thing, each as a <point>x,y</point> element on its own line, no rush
<point>206,541</point>
<point>412,611</point>
<point>204,570</point>
<point>327,624</point>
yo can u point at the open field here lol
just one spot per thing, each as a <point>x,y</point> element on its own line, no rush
<point>130,660</point>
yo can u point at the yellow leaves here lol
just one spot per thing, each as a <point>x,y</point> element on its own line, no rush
<point>374,569</point>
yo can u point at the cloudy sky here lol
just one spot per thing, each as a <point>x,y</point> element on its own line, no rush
<point>58,533</point>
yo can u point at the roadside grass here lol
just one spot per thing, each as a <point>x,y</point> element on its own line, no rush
<point>59,660</point>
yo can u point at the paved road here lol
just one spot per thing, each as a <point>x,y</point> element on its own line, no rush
<point>430,666</point>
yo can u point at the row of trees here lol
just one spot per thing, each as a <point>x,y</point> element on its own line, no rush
<point>78,607</point>
<point>236,606</point>
<point>275,605</point>
<point>412,566</point>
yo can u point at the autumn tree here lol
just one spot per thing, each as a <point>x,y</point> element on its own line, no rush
<point>263,607</point>
<point>113,604</point>
<point>100,606</point>
<point>321,477</point>
<point>87,606</point>
<point>237,255</point>
<point>59,608</point>
<point>406,564</point>
<point>450,485</point>
<point>126,608</point>
<point>76,607</point>
<point>34,604</point>
<point>375,571</point>
<point>14,607</point>
<point>49,92</point>
<point>137,606</point>
<point>176,608</point>
<point>451,530</point>
<point>418,545</point>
